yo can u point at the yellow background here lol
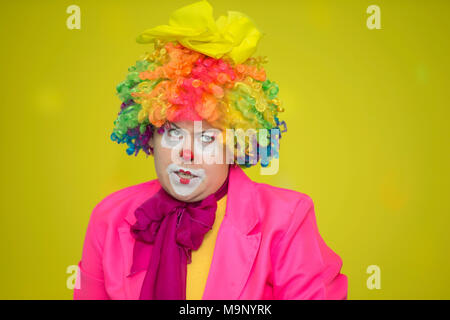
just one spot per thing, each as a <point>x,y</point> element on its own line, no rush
<point>367,114</point>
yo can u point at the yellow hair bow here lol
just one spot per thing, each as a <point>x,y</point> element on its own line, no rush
<point>194,27</point>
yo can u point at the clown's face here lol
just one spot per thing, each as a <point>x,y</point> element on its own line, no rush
<point>190,159</point>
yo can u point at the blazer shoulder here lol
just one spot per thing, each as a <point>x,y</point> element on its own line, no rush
<point>282,206</point>
<point>115,206</point>
<point>290,197</point>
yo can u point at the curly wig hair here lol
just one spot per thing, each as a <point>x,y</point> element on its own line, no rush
<point>175,83</point>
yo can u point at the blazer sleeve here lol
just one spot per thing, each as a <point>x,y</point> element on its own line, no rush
<point>89,284</point>
<point>304,266</point>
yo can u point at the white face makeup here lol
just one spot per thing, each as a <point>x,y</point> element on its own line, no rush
<point>173,138</point>
<point>184,181</point>
<point>179,153</point>
<point>207,144</point>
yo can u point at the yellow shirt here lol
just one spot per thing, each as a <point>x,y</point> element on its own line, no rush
<point>198,269</point>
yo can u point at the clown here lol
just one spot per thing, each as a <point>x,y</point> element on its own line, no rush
<point>202,106</point>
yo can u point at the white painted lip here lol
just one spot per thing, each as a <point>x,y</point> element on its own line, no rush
<point>184,189</point>
<point>196,173</point>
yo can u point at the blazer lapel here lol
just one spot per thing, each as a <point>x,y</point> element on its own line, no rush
<point>236,245</point>
<point>133,282</point>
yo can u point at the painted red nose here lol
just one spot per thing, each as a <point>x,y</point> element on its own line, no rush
<point>187,155</point>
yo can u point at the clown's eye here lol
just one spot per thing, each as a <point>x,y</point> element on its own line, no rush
<point>207,138</point>
<point>174,133</point>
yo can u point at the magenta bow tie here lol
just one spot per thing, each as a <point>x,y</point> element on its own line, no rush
<point>175,228</point>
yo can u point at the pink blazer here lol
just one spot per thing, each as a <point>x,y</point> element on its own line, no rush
<point>268,247</point>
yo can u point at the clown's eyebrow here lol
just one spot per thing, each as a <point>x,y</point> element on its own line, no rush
<point>173,124</point>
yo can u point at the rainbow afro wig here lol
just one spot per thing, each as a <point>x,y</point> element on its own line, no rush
<point>201,69</point>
